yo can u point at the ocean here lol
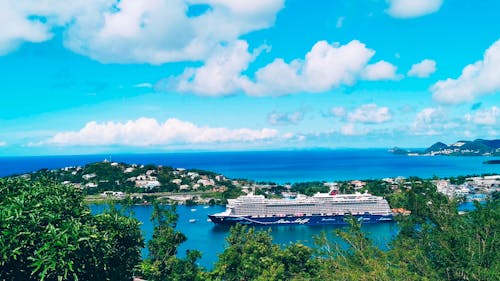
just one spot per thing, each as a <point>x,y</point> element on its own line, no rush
<point>275,166</point>
<point>209,239</point>
<point>279,166</point>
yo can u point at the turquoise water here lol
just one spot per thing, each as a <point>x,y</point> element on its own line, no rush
<point>279,166</point>
<point>210,239</point>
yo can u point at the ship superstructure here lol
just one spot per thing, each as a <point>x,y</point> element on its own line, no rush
<point>322,208</point>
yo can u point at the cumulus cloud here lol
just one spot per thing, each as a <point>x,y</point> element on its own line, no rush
<point>149,132</point>
<point>285,118</point>
<point>431,121</point>
<point>221,73</point>
<point>135,31</point>
<point>484,117</point>
<point>325,66</point>
<point>18,28</point>
<point>381,70</point>
<point>423,69</point>
<point>413,8</point>
<point>370,113</point>
<point>479,78</point>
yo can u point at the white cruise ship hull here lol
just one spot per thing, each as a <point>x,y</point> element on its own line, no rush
<point>298,220</point>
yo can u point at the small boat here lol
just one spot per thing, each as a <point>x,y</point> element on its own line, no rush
<point>192,220</point>
<point>193,210</point>
<point>205,207</point>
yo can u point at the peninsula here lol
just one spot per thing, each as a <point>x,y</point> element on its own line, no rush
<point>478,147</point>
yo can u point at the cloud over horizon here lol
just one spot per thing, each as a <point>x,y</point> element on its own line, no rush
<point>370,113</point>
<point>484,117</point>
<point>150,132</point>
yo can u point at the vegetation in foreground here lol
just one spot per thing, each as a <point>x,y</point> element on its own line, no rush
<point>47,233</point>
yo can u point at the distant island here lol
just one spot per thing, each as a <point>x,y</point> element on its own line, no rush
<point>478,147</point>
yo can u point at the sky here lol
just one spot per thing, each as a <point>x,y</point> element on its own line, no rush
<point>134,76</point>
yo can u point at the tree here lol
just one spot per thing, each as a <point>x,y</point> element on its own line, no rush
<point>47,233</point>
<point>162,263</point>
<point>357,259</point>
<point>251,255</point>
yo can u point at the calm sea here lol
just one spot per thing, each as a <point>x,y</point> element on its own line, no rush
<point>209,238</point>
<point>276,166</point>
<point>279,166</point>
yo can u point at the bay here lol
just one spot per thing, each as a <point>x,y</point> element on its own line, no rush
<point>209,238</point>
<point>276,166</point>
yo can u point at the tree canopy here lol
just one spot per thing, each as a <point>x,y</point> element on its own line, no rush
<point>47,233</point>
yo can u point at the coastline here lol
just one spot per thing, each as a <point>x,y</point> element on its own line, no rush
<point>277,166</point>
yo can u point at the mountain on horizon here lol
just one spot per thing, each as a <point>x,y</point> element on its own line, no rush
<point>478,147</point>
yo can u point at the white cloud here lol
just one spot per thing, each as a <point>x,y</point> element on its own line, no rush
<point>338,111</point>
<point>370,113</point>
<point>479,78</point>
<point>413,8</point>
<point>350,129</point>
<point>381,70</point>
<point>484,117</point>
<point>134,31</point>
<point>2,143</point>
<point>325,67</point>
<point>423,69</point>
<point>221,73</point>
<point>148,132</point>
<point>17,28</point>
<point>429,121</point>
<point>283,118</point>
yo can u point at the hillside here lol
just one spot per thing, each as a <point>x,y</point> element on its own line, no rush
<point>478,147</point>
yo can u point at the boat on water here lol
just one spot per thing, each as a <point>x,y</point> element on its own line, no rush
<point>192,220</point>
<point>320,209</point>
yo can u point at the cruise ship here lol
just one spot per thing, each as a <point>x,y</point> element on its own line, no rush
<point>320,209</point>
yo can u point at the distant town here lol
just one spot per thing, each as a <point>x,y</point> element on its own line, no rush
<point>108,180</point>
<point>477,147</point>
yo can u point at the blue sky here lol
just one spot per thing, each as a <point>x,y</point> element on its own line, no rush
<point>105,76</point>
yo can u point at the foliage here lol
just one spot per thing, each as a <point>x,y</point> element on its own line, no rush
<point>47,233</point>
<point>310,188</point>
<point>449,246</point>
<point>358,259</point>
<point>162,263</point>
<point>251,255</point>
<point>378,187</point>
